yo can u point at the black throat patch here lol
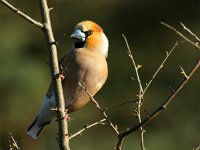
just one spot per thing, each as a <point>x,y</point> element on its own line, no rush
<point>79,44</point>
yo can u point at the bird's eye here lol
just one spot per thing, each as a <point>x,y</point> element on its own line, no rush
<point>89,32</point>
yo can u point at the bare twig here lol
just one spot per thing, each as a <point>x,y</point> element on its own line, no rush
<point>180,34</point>
<point>160,67</point>
<point>140,94</point>
<point>149,118</point>
<point>63,139</point>
<point>23,15</point>
<point>85,127</point>
<point>133,61</point>
<point>13,144</point>
<point>183,72</point>
<point>191,33</point>
<point>121,104</point>
<point>101,110</point>
<point>154,75</point>
<point>197,148</point>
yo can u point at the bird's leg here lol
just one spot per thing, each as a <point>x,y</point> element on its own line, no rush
<point>66,117</point>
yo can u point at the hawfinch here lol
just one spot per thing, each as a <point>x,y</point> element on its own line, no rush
<point>85,64</point>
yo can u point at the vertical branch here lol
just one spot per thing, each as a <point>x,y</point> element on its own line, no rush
<point>140,95</point>
<point>63,139</point>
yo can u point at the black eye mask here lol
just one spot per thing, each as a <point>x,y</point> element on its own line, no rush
<point>81,44</point>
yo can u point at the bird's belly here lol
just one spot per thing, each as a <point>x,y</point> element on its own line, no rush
<point>75,95</point>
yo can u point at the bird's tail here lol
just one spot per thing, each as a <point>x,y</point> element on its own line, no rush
<point>35,128</point>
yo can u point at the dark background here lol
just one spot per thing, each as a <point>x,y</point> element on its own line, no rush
<point>25,76</point>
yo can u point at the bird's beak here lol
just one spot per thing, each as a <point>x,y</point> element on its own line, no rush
<point>78,35</point>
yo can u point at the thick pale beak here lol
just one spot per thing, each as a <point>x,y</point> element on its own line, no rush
<point>78,35</point>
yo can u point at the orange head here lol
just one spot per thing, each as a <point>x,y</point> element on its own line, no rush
<point>89,35</point>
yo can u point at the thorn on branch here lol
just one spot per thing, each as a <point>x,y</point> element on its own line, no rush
<point>132,78</point>
<point>171,89</point>
<point>50,8</point>
<point>167,53</point>
<point>138,67</point>
<point>164,107</point>
<point>183,73</point>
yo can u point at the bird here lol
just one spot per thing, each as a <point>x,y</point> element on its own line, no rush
<point>84,64</point>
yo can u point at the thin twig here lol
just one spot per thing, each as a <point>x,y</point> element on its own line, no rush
<point>183,72</point>
<point>180,34</point>
<point>101,110</point>
<point>149,118</point>
<point>140,94</point>
<point>197,148</point>
<point>13,143</point>
<point>121,104</point>
<point>160,67</point>
<point>23,15</point>
<point>133,61</point>
<point>63,139</point>
<point>85,127</point>
<point>191,33</point>
<point>154,75</point>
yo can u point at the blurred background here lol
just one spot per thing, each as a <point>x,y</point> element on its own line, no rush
<point>25,75</point>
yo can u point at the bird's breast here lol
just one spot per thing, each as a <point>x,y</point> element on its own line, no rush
<point>89,69</point>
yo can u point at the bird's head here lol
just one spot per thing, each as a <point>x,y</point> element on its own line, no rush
<point>89,35</point>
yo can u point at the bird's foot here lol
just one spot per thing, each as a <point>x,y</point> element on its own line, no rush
<point>61,73</point>
<point>66,116</point>
<point>62,76</point>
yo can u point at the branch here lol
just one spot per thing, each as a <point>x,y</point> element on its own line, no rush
<point>63,139</point>
<point>140,94</point>
<point>191,33</point>
<point>121,104</point>
<point>180,34</point>
<point>133,61</point>
<point>152,78</point>
<point>101,110</point>
<point>197,148</point>
<point>149,118</point>
<point>13,143</point>
<point>160,67</point>
<point>85,127</point>
<point>23,15</point>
